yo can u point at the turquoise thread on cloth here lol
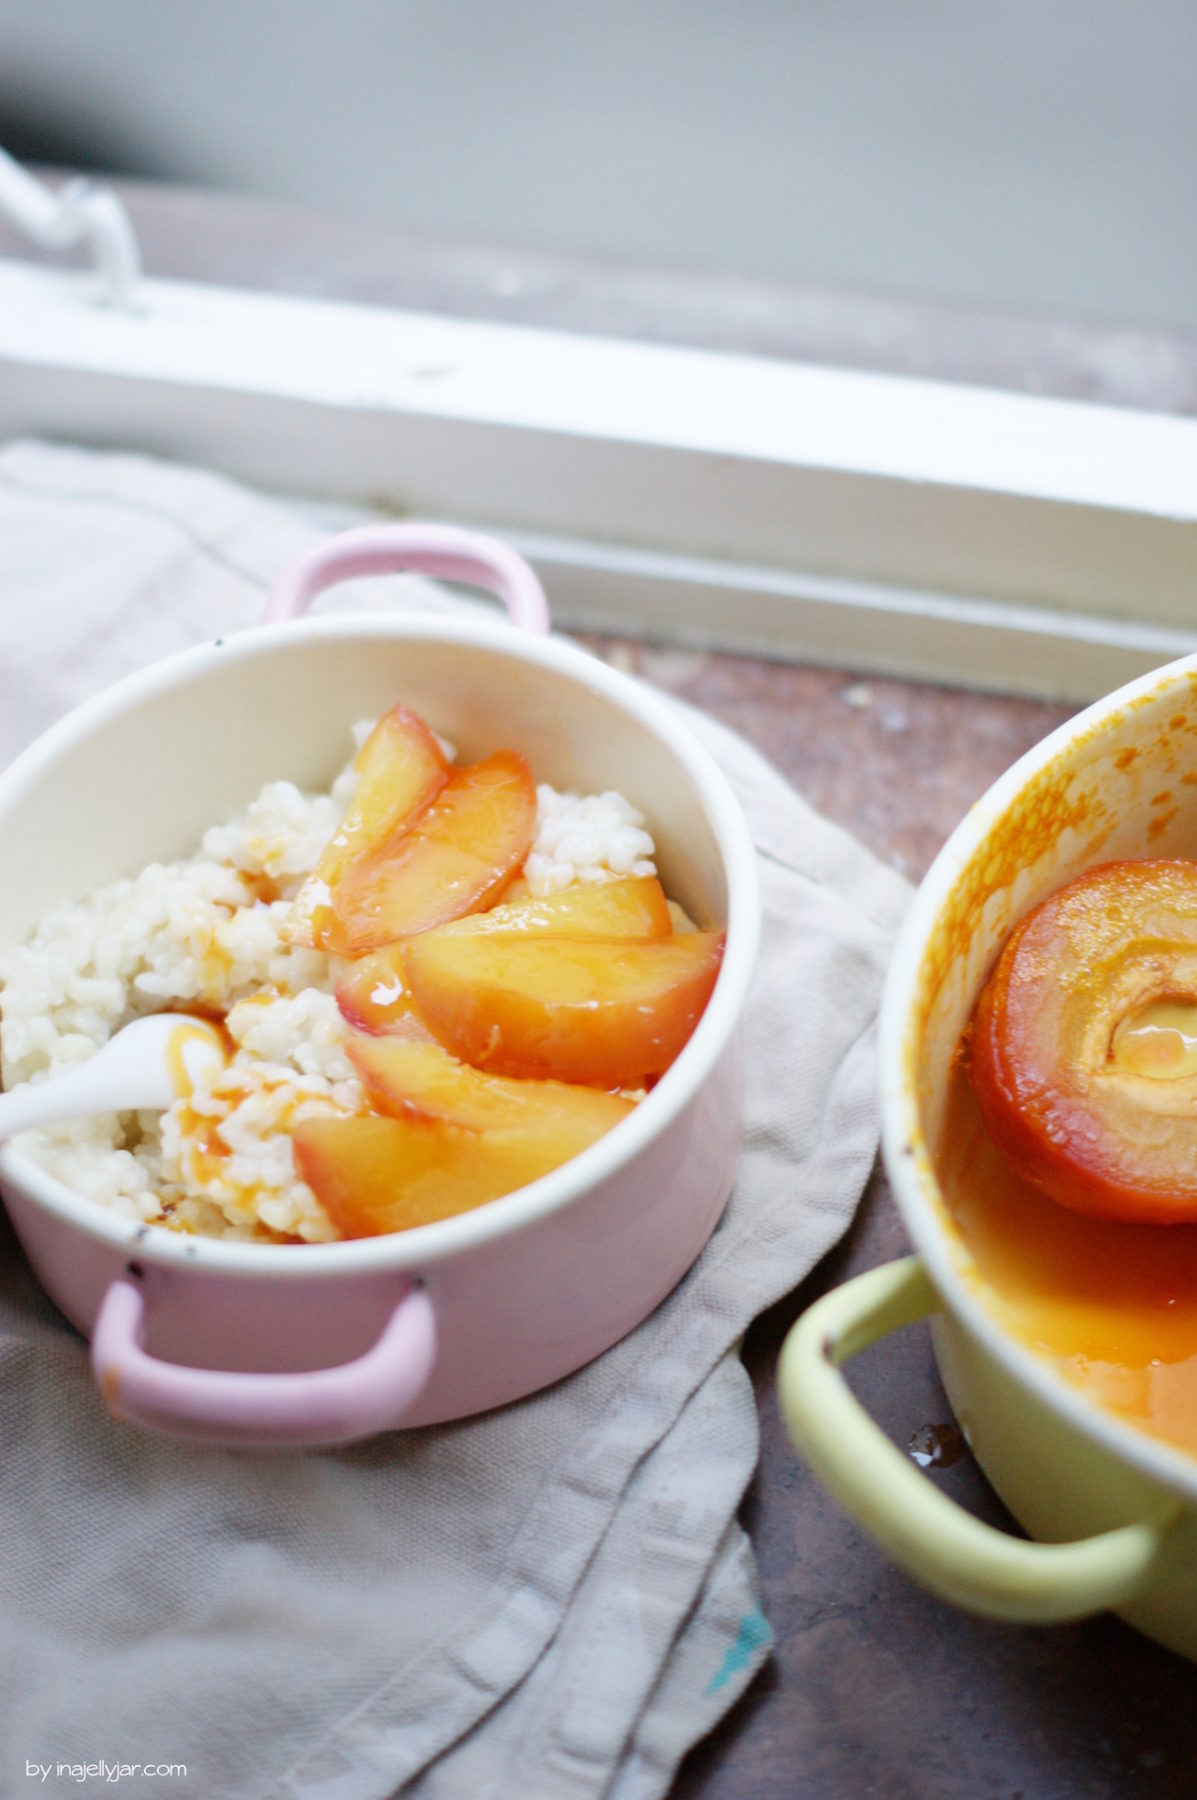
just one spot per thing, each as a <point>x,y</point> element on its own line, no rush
<point>754,1634</point>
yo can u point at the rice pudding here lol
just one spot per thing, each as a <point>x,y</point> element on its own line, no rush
<point>215,934</point>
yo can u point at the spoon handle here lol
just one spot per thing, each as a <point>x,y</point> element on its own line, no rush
<point>46,1102</point>
<point>134,1071</point>
<point>99,1086</point>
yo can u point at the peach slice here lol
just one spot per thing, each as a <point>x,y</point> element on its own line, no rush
<point>601,1014</point>
<point>372,995</point>
<point>407,1078</point>
<point>376,1175</point>
<point>461,851</point>
<point>1083,1052</point>
<point>401,768</point>
<point>631,906</point>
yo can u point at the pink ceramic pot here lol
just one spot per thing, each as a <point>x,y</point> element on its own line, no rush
<point>317,1344</point>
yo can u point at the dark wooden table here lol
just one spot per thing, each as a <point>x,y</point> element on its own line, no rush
<point>874,1688</point>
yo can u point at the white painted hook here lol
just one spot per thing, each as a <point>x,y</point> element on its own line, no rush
<point>80,211</point>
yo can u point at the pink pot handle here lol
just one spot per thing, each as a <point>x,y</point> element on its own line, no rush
<point>445,551</point>
<point>323,1406</point>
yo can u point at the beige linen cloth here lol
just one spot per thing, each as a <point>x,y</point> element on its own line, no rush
<point>554,1601</point>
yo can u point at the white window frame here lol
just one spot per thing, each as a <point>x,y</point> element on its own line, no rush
<point>875,522</point>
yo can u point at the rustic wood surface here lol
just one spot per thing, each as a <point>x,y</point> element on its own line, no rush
<point>874,1688</point>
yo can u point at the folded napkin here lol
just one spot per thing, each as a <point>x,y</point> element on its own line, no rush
<point>555,1599</point>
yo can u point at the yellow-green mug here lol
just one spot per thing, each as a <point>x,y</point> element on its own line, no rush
<point>1111,1510</point>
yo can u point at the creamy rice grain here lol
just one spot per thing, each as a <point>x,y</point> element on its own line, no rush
<point>585,837</point>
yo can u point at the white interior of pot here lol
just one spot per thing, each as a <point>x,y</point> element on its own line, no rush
<point>144,781</point>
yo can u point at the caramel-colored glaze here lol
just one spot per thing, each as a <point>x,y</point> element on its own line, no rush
<point>216,1016</point>
<point>1112,1306</point>
<point>176,1053</point>
<point>208,1149</point>
<point>264,888</point>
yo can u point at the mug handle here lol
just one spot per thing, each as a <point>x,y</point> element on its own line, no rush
<point>972,1564</point>
<point>212,1406</point>
<point>445,551</point>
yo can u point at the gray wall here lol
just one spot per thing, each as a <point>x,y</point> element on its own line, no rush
<point>1029,154</point>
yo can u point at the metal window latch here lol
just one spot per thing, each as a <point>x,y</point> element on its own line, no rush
<point>78,212</point>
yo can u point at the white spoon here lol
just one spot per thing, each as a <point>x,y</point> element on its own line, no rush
<point>146,1066</point>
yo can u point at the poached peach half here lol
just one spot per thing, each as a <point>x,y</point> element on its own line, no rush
<point>372,995</point>
<point>603,1013</point>
<point>458,854</point>
<point>1083,1052</point>
<point>400,770</point>
<point>445,1139</point>
<point>374,1175</point>
<point>407,1078</point>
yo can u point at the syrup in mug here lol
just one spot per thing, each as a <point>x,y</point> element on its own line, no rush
<point>1112,1306</point>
